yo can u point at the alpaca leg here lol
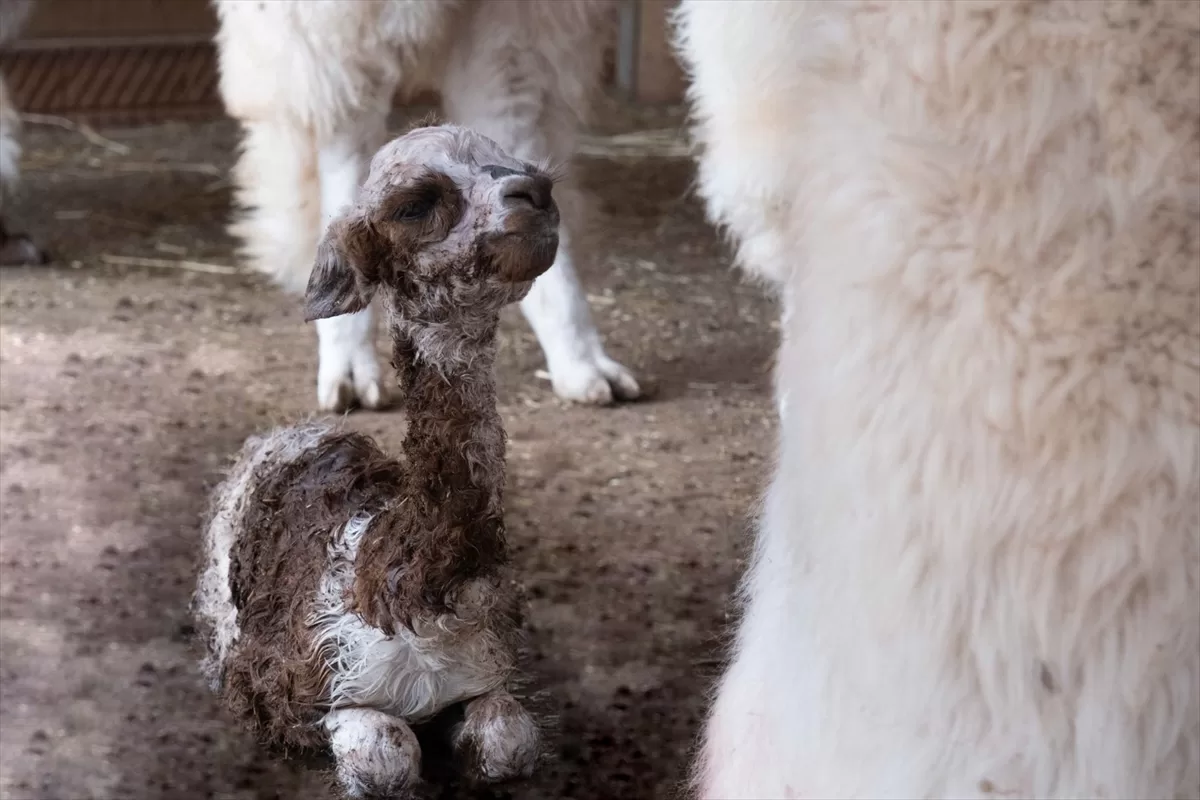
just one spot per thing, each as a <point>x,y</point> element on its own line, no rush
<point>377,755</point>
<point>348,371</point>
<point>15,249</point>
<point>737,760</point>
<point>557,310</point>
<point>497,83</point>
<point>499,739</point>
<point>19,250</point>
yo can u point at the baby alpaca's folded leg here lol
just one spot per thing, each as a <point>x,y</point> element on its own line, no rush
<point>499,740</point>
<point>377,755</point>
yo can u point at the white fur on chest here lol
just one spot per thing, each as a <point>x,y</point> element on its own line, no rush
<point>407,675</point>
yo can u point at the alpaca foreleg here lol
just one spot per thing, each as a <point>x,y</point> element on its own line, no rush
<point>499,740</point>
<point>378,755</point>
<point>349,372</point>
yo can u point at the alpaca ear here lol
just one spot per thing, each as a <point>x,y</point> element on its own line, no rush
<point>345,273</point>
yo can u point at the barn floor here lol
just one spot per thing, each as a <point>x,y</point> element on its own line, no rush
<point>124,389</point>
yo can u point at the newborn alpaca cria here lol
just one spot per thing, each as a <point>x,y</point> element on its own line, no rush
<point>345,594</point>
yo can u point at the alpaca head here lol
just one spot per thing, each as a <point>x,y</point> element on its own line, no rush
<point>447,227</point>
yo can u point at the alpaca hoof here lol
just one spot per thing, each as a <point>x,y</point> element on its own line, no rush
<point>596,380</point>
<point>498,741</point>
<point>348,373</point>
<point>377,755</point>
<point>17,250</point>
<point>343,392</point>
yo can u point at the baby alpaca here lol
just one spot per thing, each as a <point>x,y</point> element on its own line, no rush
<point>347,595</point>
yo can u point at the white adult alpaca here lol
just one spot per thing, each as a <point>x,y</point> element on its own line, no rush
<point>311,82</point>
<point>977,571</point>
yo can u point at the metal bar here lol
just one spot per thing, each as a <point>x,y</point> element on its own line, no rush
<point>629,34</point>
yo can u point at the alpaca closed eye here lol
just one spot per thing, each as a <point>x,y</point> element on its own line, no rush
<point>415,210</point>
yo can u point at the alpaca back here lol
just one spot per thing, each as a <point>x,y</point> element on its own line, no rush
<point>268,547</point>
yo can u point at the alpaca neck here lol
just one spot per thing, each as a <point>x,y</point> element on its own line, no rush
<point>454,446</point>
<point>447,524</point>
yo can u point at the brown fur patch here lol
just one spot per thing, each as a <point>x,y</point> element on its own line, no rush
<point>273,678</point>
<point>520,257</point>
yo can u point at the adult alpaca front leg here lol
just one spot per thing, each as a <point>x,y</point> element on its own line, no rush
<point>557,310</point>
<point>521,73</point>
<point>348,373</point>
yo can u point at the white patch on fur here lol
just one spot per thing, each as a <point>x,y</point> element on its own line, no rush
<point>409,675</point>
<point>377,755</point>
<point>213,600</point>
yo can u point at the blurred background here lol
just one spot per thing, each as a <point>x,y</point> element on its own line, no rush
<point>127,61</point>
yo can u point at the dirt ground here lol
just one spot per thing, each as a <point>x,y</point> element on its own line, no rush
<point>123,390</point>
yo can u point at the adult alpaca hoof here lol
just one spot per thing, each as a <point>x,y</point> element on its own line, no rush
<point>350,378</point>
<point>348,393</point>
<point>594,380</point>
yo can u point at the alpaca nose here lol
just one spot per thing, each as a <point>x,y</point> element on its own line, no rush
<point>532,190</point>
